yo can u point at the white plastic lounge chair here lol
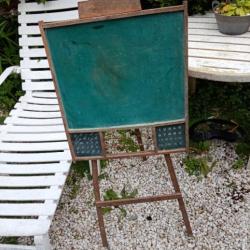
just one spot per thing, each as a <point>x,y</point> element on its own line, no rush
<point>34,153</point>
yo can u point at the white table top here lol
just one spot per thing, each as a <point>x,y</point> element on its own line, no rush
<point>215,56</point>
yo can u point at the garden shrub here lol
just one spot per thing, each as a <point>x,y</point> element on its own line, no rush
<point>11,89</point>
<point>194,6</point>
<point>198,166</point>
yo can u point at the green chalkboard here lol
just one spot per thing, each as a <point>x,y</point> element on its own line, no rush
<point>120,72</point>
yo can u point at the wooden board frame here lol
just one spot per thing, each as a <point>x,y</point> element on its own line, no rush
<point>180,8</point>
<point>94,164</point>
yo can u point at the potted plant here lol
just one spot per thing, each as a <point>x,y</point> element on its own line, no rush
<point>233,17</point>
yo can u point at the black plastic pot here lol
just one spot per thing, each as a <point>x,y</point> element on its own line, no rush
<point>232,25</point>
<point>216,129</point>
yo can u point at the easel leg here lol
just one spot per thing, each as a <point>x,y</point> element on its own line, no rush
<point>139,139</point>
<point>177,190</point>
<point>98,198</point>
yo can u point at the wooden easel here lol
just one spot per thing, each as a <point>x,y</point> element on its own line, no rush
<point>95,8</point>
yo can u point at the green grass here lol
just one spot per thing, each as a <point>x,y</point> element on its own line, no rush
<point>198,166</point>
<point>239,164</point>
<point>110,195</point>
<point>81,170</point>
<point>200,147</point>
<point>9,240</point>
<point>78,171</point>
<point>126,143</point>
<point>243,149</point>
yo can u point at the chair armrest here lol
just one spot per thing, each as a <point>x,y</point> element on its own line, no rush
<point>8,71</point>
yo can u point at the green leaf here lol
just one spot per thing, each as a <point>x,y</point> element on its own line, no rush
<point>243,149</point>
<point>126,142</point>
<point>110,194</point>
<point>247,4</point>
<point>106,210</point>
<point>123,212</point>
<point>104,163</point>
<point>228,8</point>
<point>81,169</point>
<point>240,12</point>
<point>230,13</point>
<point>198,166</point>
<point>133,194</point>
<point>103,176</point>
<point>239,164</point>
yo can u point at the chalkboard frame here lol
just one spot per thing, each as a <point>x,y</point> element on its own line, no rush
<point>104,155</point>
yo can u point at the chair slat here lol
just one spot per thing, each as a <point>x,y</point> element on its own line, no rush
<point>16,247</point>
<point>35,129</point>
<point>36,107</point>
<point>22,227</point>
<point>29,194</point>
<point>23,29</point>
<point>31,181</point>
<point>31,41</point>
<point>32,209</point>
<point>35,157</point>
<point>33,52</point>
<point>33,122</point>
<point>42,94</point>
<point>34,168</point>
<point>51,5</point>
<point>38,114</point>
<point>47,17</point>
<point>34,137</point>
<point>35,100</point>
<point>34,64</point>
<point>29,147</point>
<point>34,86</point>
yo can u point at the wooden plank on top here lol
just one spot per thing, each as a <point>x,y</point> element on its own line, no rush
<point>95,8</point>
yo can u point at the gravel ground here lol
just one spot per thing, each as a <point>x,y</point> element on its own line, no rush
<point>218,207</point>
